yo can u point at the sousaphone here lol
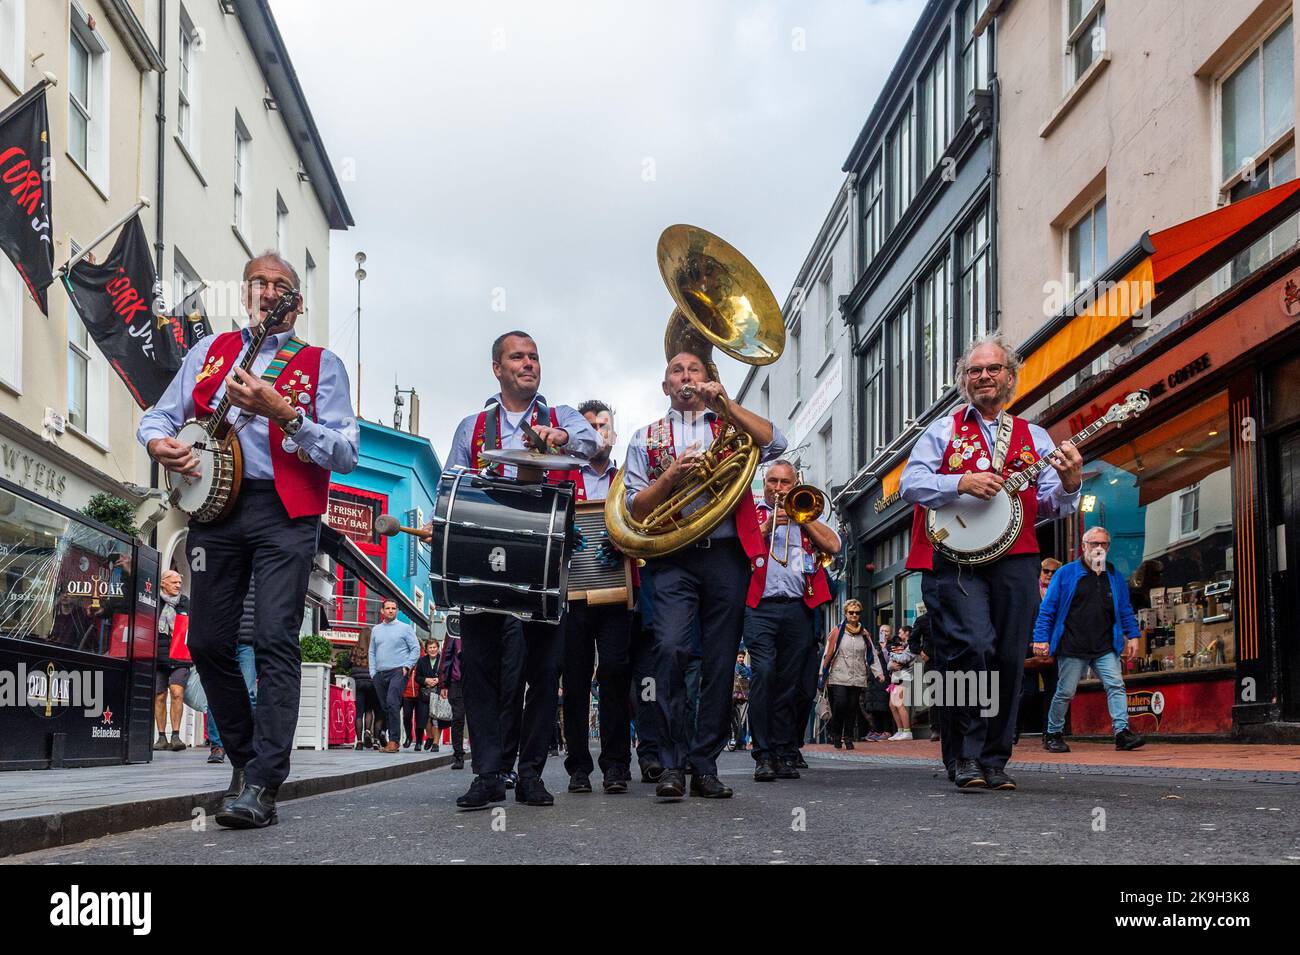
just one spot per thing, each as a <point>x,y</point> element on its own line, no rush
<point>723,302</point>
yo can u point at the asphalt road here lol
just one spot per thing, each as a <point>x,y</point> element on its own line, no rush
<point>840,811</point>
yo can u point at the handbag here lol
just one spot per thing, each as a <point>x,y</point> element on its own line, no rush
<point>179,648</point>
<point>439,708</point>
<point>823,706</point>
<point>195,697</point>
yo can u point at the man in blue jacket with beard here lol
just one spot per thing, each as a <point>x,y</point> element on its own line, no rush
<point>1086,619</point>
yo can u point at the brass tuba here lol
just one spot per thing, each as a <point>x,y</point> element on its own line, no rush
<point>721,301</point>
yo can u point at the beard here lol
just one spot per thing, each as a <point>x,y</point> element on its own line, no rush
<point>1097,561</point>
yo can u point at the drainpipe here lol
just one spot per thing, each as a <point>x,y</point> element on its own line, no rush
<point>160,207</point>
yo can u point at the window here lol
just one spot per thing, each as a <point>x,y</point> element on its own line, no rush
<point>281,226</point>
<point>898,331</point>
<point>873,417</point>
<point>898,153</point>
<point>242,139</point>
<point>827,296</point>
<point>87,381</point>
<point>184,278</point>
<point>11,325</point>
<point>976,305</point>
<point>1257,105</point>
<point>975,51</point>
<point>308,282</point>
<point>765,399</point>
<point>932,126</point>
<point>88,98</point>
<point>187,86</point>
<point>796,350</point>
<point>1189,509</point>
<point>1086,248</point>
<point>827,447</point>
<point>1085,36</point>
<point>937,359</point>
<point>873,212</point>
<point>12,34</point>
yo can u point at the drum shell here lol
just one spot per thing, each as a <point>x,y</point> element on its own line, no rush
<point>501,546</point>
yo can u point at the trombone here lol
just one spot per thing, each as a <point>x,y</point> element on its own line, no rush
<point>803,504</point>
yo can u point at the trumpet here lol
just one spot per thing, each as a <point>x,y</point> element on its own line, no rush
<point>803,504</point>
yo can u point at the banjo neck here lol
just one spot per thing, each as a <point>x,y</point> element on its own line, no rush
<point>1022,479</point>
<point>217,424</point>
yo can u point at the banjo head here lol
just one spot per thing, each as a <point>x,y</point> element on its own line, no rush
<point>968,529</point>
<point>191,494</point>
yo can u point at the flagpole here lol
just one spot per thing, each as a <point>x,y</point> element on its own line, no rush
<point>47,81</point>
<point>141,203</point>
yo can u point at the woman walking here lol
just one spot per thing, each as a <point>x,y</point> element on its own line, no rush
<point>367,698</point>
<point>426,684</point>
<point>846,671</point>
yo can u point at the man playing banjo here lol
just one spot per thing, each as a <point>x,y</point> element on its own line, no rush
<point>500,654</point>
<point>982,615</point>
<point>296,425</point>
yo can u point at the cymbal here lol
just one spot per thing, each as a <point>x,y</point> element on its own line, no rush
<point>534,460</point>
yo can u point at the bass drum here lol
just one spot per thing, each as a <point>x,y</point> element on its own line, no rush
<point>500,546</point>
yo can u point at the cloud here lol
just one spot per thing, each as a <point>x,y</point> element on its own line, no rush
<point>537,150</point>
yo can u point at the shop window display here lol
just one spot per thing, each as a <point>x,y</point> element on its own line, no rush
<point>1166,498</point>
<point>62,582</point>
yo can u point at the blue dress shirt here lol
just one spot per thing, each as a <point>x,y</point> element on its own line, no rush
<point>331,441</point>
<point>688,428</point>
<point>596,483</point>
<point>922,483</point>
<point>582,439</point>
<point>786,580</point>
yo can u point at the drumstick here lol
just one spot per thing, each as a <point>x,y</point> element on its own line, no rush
<point>387,525</point>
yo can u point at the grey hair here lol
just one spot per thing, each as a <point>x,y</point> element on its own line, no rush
<point>787,463</point>
<point>1014,362</point>
<point>278,259</point>
<point>1098,527</point>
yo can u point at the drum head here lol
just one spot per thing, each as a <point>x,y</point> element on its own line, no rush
<point>519,458</point>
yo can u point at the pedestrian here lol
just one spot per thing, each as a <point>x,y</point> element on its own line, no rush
<point>1085,620</point>
<point>171,675</point>
<point>983,615</point>
<point>875,700</point>
<point>451,689</point>
<point>393,652</point>
<point>740,703</point>
<point>923,641</point>
<point>246,656</point>
<point>899,661</point>
<point>411,707</point>
<point>426,684</point>
<point>368,709</point>
<point>846,670</point>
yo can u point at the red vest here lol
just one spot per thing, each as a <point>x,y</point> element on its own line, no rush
<point>303,486</point>
<point>965,449</point>
<point>817,587</point>
<point>480,463</point>
<point>661,452</point>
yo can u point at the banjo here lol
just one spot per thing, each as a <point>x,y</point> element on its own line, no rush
<point>971,531</point>
<point>215,442</point>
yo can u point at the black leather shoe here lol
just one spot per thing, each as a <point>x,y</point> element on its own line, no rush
<point>709,787</point>
<point>848,744</point>
<point>838,744</point>
<point>233,790</point>
<point>1127,739</point>
<point>510,778</point>
<point>997,779</point>
<point>579,783</point>
<point>765,771</point>
<point>968,775</point>
<point>531,791</point>
<point>672,785</point>
<point>651,772</point>
<point>458,762</point>
<point>785,768</point>
<point>482,791</point>
<point>952,774</point>
<point>616,780</point>
<point>1055,743</point>
<point>254,808</point>
<point>799,761</point>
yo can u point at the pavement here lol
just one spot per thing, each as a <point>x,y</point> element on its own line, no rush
<point>54,807</point>
<point>848,807</point>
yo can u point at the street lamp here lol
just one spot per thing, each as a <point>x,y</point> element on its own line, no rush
<point>360,258</point>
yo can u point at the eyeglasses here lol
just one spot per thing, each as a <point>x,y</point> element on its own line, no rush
<point>1048,573</point>
<point>993,370</point>
<point>258,285</point>
<point>856,613</point>
<point>1104,545</point>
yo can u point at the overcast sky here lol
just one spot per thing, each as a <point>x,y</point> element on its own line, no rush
<point>530,153</point>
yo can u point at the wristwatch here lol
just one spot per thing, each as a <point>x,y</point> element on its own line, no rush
<point>293,426</point>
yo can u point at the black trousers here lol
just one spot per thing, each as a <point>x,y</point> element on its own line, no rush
<point>488,684</point>
<point>705,586</point>
<point>806,691</point>
<point>456,697</point>
<point>779,637</point>
<point>258,537</point>
<point>641,696</point>
<point>513,659</point>
<point>599,637</point>
<point>844,701</point>
<point>983,618</point>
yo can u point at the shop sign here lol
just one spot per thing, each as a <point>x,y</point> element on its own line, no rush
<point>821,400</point>
<point>105,729</point>
<point>31,471</point>
<point>341,636</point>
<point>352,519</point>
<point>1146,703</point>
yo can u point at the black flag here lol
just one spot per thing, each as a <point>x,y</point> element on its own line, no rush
<point>25,232</point>
<point>189,320</point>
<point>115,300</point>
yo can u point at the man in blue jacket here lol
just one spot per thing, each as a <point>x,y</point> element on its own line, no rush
<point>1084,620</point>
